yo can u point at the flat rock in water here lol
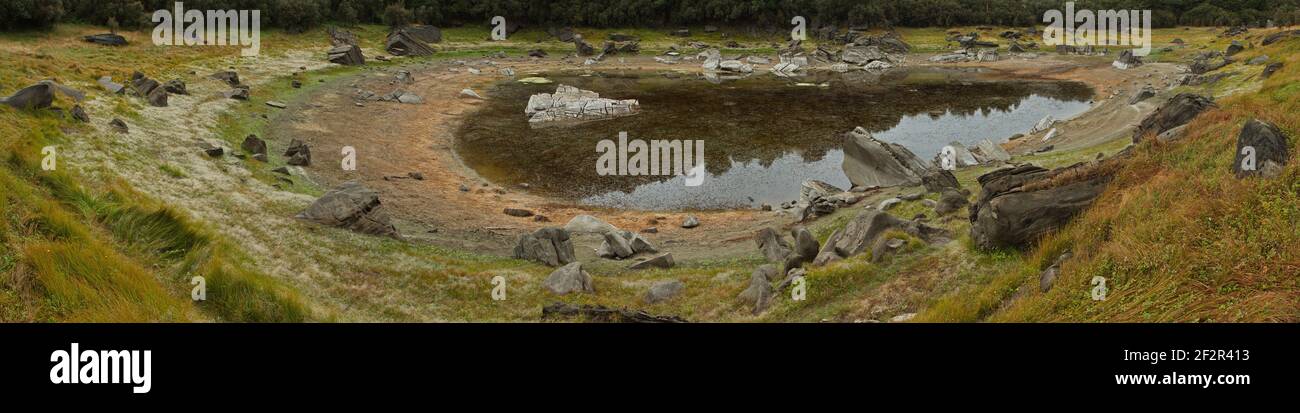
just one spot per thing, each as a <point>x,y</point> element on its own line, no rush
<point>569,104</point>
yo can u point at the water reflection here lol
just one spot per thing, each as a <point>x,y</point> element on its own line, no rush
<point>763,135</point>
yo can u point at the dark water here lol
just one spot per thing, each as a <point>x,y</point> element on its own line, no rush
<point>762,135</point>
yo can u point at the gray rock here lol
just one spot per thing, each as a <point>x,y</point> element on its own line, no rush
<point>663,290</point>
<point>253,145</point>
<point>298,153</point>
<point>861,233</point>
<point>549,246</point>
<point>1142,94</point>
<point>884,248</point>
<point>570,105</point>
<point>827,254</point>
<point>889,204</point>
<point>1049,276</point>
<point>587,224</point>
<point>869,162</point>
<point>691,222</point>
<point>772,245</point>
<point>1008,216</point>
<point>937,180</point>
<point>569,279</point>
<point>1177,112</point>
<point>758,295</point>
<point>1270,145</point>
<point>660,261</point>
<point>618,245</point>
<point>351,206</point>
<point>951,201</point>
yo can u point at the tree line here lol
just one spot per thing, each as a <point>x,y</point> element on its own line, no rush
<point>297,15</point>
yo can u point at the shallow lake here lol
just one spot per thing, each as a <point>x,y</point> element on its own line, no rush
<point>763,135</point>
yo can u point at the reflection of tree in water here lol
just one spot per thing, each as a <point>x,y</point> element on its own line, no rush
<point>753,120</point>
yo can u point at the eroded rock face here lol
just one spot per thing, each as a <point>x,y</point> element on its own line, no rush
<point>861,234</point>
<point>1013,212</point>
<point>872,163</point>
<point>569,104</point>
<point>352,206</point>
<point>548,246</point>
<point>1269,148</point>
<point>1177,112</point>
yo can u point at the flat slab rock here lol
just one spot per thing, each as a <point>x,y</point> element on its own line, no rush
<point>569,104</point>
<point>352,206</point>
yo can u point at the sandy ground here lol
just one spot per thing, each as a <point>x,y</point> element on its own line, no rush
<point>394,139</point>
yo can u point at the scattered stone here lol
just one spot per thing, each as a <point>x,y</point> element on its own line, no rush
<point>616,245</point>
<point>351,206</point>
<point>79,114</point>
<point>107,83</point>
<point>238,93</point>
<point>570,278</point>
<point>175,86</point>
<point>118,125</point>
<point>298,153</point>
<point>1127,60</point>
<point>889,204</point>
<point>254,145</point>
<point>587,224</point>
<point>275,104</point>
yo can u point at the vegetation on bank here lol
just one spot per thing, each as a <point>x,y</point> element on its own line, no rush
<point>300,15</point>
<point>1178,236</point>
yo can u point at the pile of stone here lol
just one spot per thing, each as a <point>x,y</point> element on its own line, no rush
<point>149,89</point>
<point>549,246</point>
<point>403,42</point>
<point>344,49</point>
<point>569,104</point>
<point>817,199</point>
<point>1127,60</point>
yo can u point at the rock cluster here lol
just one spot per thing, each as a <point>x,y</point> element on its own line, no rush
<point>569,104</point>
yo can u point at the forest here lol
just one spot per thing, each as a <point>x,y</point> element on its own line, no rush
<point>298,15</point>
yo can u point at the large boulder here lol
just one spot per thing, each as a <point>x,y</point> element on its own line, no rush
<point>938,180</point>
<point>402,43</point>
<point>549,246</point>
<point>39,95</point>
<point>773,247</point>
<point>1269,146</point>
<point>569,105</point>
<point>108,39</point>
<point>872,163</point>
<point>587,224</point>
<point>352,206</point>
<point>570,278</point>
<point>1019,205</point>
<point>1177,112</point>
<point>862,232</point>
<point>758,295</point>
